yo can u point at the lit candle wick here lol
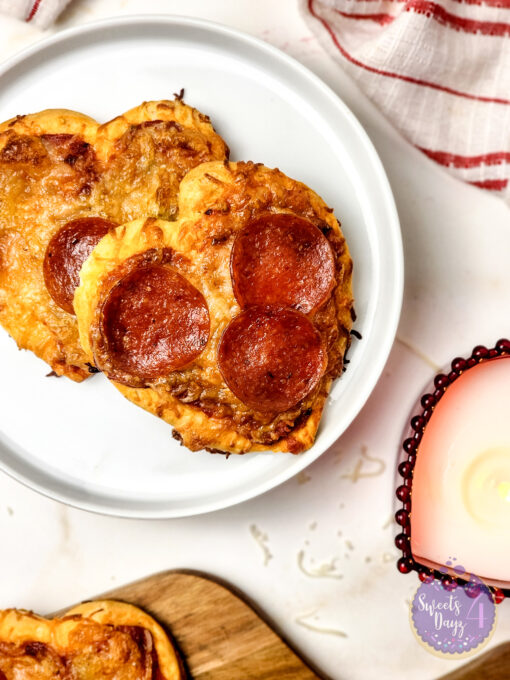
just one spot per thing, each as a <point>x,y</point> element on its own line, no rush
<point>504,491</point>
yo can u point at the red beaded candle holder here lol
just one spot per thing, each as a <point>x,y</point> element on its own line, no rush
<point>410,450</point>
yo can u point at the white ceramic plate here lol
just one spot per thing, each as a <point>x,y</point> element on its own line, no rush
<point>84,444</point>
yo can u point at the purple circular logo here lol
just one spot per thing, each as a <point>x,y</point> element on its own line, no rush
<point>453,620</point>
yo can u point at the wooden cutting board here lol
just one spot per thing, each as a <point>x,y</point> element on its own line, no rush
<point>493,665</point>
<point>219,635</point>
<point>222,637</point>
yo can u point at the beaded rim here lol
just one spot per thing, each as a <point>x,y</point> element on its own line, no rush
<point>417,424</point>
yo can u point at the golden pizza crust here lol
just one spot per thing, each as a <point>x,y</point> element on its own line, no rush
<point>148,172</point>
<point>132,167</point>
<point>215,201</point>
<point>66,637</point>
<point>196,430</point>
<point>37,196</point>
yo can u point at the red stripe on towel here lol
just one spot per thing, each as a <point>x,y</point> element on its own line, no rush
<point>491,184</point>
<point>457,161</point>
<point>439,14</point>
<point>34,9</point>
<point>399,76</point>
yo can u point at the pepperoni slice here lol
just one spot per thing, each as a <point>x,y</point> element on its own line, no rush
<point>153,322</point>
<point>271,358</point>
<point>282,259</point>
<point>66,253</point>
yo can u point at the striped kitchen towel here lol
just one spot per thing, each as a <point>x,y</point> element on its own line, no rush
<point>439,71</point>
<point>41,13</point>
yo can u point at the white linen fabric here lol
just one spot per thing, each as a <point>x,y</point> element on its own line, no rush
<point>439,71</point>
<point>41,13</point>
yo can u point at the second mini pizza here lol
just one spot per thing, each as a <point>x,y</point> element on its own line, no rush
<point>231,322</point>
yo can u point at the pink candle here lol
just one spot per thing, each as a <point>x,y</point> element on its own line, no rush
<point>457,479</point>
<point>461,483</point>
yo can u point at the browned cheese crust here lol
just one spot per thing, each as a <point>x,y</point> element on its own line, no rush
<point>59,165</point>
<point>216,201</point>
<point>103,639</point>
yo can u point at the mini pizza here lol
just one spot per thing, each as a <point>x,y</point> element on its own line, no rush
<point>231,322</point>
<point>102,639</point>
<point>65,181</point>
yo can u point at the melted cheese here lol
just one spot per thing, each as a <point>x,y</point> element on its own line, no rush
<point>106,640</point>
<point>58,165</point>
<point>216,200</point>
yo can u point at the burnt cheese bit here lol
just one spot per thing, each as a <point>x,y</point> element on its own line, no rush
<point>99,651</point>
<point>153,322</point>
<point>282,259</point>
<point>23,150</point>
<point>93,651</point>
<point>66,252</point>
<point>30,660</point>
<point>271,358</point>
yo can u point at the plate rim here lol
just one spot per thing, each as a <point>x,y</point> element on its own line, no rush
<point>142,21</point>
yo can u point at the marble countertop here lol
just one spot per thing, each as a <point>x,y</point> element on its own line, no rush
<point>316,553</point>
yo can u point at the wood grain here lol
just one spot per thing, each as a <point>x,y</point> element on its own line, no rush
<point>219,635</point>
<point>222,637</point>
<point>493,665</point>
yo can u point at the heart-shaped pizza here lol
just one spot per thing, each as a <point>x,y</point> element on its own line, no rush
<point>231,322</point>
<point>215,295</point>
<point>65,181</point>
<point>100,639</point>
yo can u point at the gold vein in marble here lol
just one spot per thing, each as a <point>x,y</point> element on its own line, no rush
<point>303,477</point>
<point>417,352</point>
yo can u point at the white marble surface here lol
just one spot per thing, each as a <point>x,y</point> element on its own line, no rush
<point>456,241</point>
